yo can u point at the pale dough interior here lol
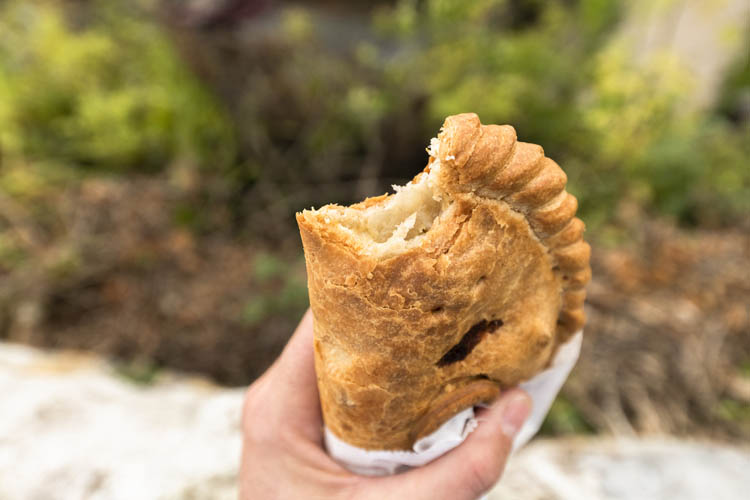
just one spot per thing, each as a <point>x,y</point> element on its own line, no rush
<point>401,222</point>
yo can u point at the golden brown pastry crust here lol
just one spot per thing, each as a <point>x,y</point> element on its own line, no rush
<point>499,278</point>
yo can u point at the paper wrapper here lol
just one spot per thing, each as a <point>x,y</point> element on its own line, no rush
<point>542,388</point>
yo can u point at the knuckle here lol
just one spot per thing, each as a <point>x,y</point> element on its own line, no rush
<point>484,470</point>
<point>349,488</point>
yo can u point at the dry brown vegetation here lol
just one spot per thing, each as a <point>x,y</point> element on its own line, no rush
<point>667,345</point>
<point>147,209</point>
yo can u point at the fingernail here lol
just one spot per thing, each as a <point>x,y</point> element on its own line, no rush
<point>514,414</point>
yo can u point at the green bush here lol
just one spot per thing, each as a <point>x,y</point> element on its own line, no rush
<point>105,92</point>
<point>624,132</point>
<point>280,289</point>
<point>310,124</point>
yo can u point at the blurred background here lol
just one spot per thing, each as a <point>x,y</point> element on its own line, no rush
<point>153,154</point>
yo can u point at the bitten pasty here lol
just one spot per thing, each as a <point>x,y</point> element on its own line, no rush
<point>437,297</point>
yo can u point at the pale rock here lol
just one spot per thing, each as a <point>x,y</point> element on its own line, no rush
<point>71,428</point>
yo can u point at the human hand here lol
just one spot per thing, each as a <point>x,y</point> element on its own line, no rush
<point>283,455</point>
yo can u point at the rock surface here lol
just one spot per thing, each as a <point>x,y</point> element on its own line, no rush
<point>71,428</point>
<point>628,469</point>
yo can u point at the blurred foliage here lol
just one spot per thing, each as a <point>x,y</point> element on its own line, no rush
<point>267,267</point>
<point>733,410</point>
<point>287,294</point>
<point>734,97</point>
<point>138,371</point>
<point>106,91</point>
<point>623,131</point>
<point>564,418</point>
<point>207,135</point>
<point>352,118</point>
<point>101,91</point>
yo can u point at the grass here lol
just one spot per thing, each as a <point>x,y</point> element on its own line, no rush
<point>281,290</point>
<point>138,371</point>
<point>565,418</point>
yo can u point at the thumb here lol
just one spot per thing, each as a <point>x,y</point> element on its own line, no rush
<point>472,468</point>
